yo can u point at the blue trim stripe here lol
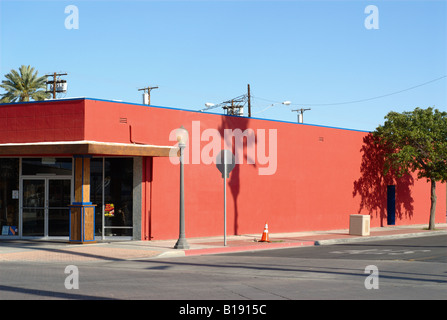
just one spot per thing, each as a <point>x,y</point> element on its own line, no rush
<point>185,110</point>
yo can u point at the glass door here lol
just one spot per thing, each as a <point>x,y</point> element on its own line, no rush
<point>33,211</point>
<point>45,211</point>
<point>59,191</point>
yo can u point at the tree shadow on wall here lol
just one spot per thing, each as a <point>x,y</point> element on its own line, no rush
<point>234,123</point>
<point>372,184</point>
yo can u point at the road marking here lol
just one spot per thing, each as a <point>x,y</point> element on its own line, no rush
<point>425,258</point>
<point>379,252</point>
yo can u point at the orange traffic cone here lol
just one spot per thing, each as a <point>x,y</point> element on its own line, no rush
<point>265,234</point>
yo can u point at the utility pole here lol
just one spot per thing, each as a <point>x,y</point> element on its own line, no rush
<point>234,106</point>
<point>55,82</point>
<point>300,114</point>
<point>148,92</point>
<point>234,109</point>
<point>249,100</point>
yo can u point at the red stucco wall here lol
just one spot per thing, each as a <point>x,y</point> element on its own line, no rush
<point>322,175</point>
<point>62,120</point>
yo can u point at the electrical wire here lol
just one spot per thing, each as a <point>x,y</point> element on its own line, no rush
<point>264,109</point>
<point>361,100</point>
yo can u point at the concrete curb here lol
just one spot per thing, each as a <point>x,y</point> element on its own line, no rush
<point>228,249</point>
<point>266,246</point>
<point>167,254</point>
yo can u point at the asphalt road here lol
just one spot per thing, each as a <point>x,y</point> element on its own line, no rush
<point>404,269</point>
<point>426,249</point>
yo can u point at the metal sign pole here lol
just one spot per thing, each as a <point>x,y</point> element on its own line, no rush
<point>225,163</point>
<point>225,198</point>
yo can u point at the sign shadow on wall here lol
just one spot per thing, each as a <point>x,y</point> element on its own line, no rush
<point>241,123</point>
<point>372,185</point>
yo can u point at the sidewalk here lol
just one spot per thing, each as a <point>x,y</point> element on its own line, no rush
<point>60,251</point>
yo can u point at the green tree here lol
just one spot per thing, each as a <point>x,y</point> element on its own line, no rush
<point>22,85</point>
<point>416,141</point>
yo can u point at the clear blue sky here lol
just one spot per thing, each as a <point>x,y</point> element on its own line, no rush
<point>316,54</point>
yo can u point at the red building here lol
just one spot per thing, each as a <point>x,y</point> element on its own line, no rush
<point>297,177</point>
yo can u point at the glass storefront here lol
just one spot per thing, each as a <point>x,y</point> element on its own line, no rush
<point>47,166</point>
<point>33,211</point>
<point>45,211</point>
<point>111,181</point>
<point>45,185</point>
<point>9,196</point>
<point>35,194</point>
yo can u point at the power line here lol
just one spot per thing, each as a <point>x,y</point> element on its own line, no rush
<point>362,100</point>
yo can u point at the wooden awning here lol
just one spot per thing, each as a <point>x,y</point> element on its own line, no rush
<point>86,148</point>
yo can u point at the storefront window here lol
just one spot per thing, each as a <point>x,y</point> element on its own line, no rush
<point>9,196</point>
<point>96,191</point>
<point>52,166</point>
<point>118,186</point>
<point>111,190</point>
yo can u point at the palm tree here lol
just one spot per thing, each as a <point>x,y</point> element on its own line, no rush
<point>23,85</point>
